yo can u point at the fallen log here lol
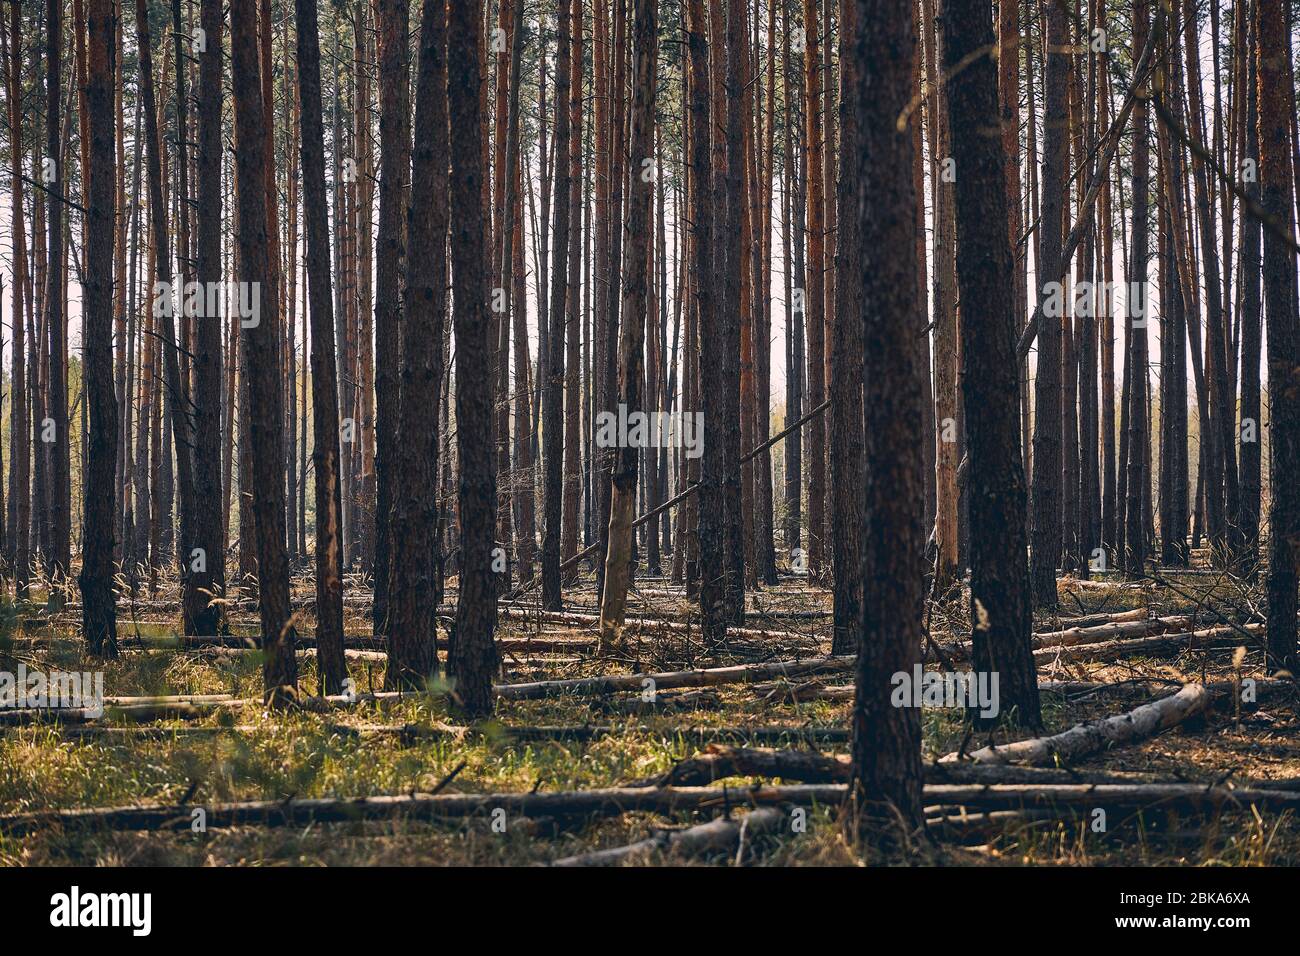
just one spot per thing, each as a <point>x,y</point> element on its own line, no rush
<point>1086,739</point>
<point>1160,645</point>
<point>718,762</point>
<point>1186,797</point>
<point>611,801</point>
<point>710,677</point>
<point>1092,620</point>
<point>782,692</point>
<point>1110,631</point>
<point>724,833</point>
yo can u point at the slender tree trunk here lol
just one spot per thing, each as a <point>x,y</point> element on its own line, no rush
<point>1139,310</point>
<point>632,336</point>
<point>207,566</point>
<point>1045,528</point>
<point>1272,54</point>
<point>846,434</point>
<point>261,348</point>
<point>573,358</point>
<point>553,394</point>
<point>814,297</point>
<point>19,434</point>
<point>99,617</point>
<point>325,409</point>
<point>1252,427</point>
<point>56,384</point>
<point>704,273</point>
<point>392,21</point>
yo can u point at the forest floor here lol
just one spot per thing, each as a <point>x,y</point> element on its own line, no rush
<point>221,754</point>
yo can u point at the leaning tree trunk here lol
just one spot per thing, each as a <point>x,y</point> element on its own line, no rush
<point>885,779</point>
<point>618,552</point>
<point>99,617</point>
<point>472,658</point>
<point>262,349</point>
<point>1000,598</point>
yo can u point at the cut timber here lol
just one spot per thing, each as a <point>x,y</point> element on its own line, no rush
<point>1086,739</point>
<point>723,834</point>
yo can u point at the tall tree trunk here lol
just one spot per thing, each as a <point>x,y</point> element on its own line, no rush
<point>631,372</point>
<point>1249,322</point>
<point>553,393</point>
<point>814,297</point>
<point>392,20</point>
<point>56,383</point>
<point>472,658</point>
<point>98,615</point>
<point>1001,602</point>
<point>1272,54</point>
<point>325,409</point>
<point>573,356</point>
<point>704,273</point>
<point>19,433</point>
<point>885,774</point>
<point>261,348</point>
<point>412,658</point>
<point>846,434</point>
<point>1139,310</point>
<point>207,568</point>
<point>1045,528</point>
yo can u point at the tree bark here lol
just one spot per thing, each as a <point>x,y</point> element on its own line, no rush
<point>885,780</point>
<point>262,349</point>
<point>1001,602</point>
<point>99,617</point>
<point>618,551</point>
<point>472,658</point>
